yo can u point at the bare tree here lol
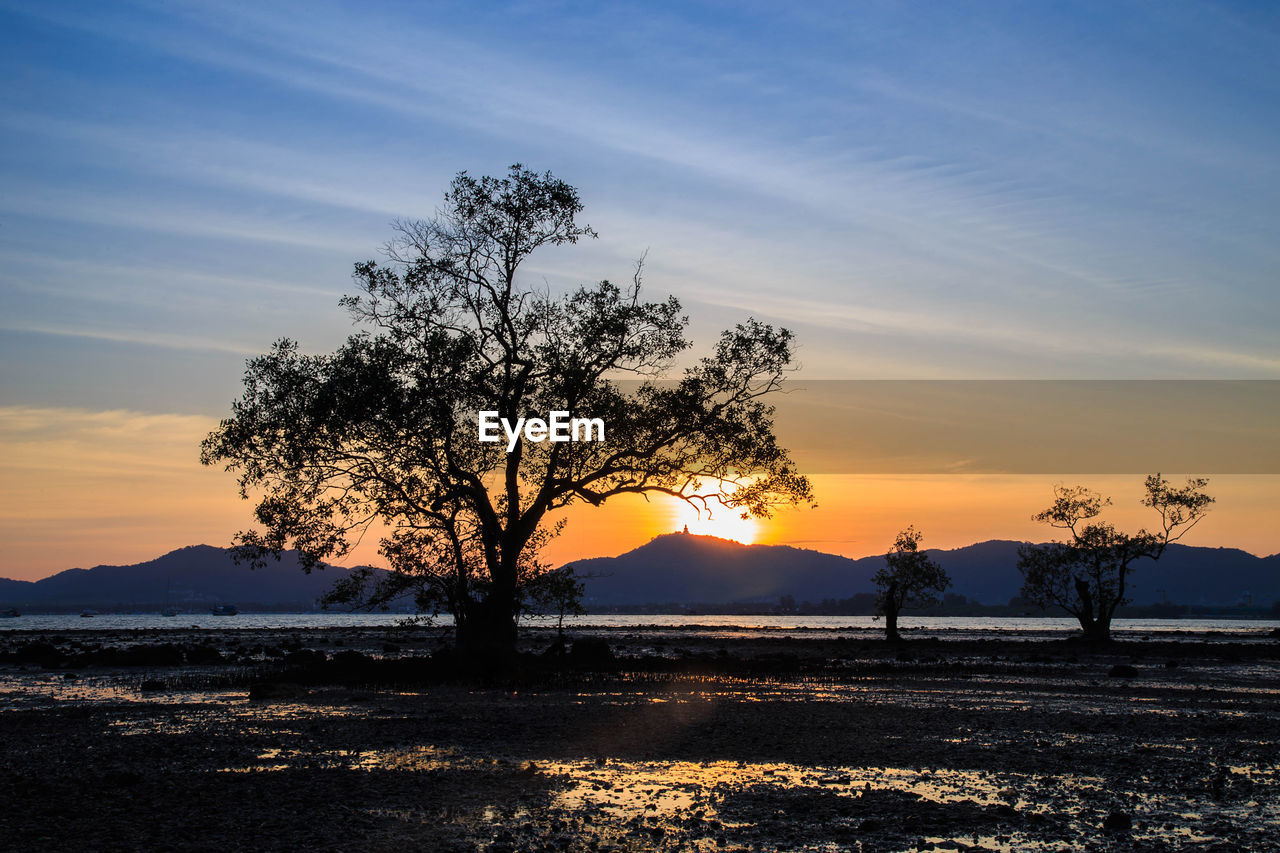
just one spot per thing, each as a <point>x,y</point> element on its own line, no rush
<point>1087,574</point>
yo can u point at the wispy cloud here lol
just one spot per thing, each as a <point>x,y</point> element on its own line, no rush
<point>1054,217</point>
<point>352,58</point>
<point>80,487</point>
<point>172,216</point>
<point>173,340</point>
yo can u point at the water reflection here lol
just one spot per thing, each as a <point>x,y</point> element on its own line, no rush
<point>710,626</point>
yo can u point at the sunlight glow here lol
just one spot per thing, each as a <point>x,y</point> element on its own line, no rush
<point>722,521</point>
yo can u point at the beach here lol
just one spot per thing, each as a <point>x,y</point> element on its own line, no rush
<point>668,739</point>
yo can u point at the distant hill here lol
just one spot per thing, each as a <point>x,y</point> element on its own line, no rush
<point>676,568</point>
<point>685,568</point>
<point>195,578</point>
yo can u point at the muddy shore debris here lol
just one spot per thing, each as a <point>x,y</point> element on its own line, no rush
<point>368,739</point>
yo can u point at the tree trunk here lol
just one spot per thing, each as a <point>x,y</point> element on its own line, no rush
<point>488,634</point>
<point>891,624</point>
<point>487,637</point>
<point>1095,628</point>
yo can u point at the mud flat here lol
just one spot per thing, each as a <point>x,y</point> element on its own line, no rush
<point>352,739</point>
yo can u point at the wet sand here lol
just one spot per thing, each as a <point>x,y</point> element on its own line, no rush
<point>691,740</point>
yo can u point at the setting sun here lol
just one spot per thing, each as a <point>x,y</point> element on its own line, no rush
<point>722,521</point>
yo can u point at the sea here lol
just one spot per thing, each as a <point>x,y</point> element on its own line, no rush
<point>943,627</point>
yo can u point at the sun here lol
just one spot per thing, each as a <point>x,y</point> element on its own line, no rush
<point>724,522</point>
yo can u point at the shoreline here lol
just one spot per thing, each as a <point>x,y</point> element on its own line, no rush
<point>683,741</point>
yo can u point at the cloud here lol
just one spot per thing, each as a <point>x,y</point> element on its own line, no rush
<point>993,214</point>
<point>80,442</point>
<point>172,216</point>
<point>82,487</point>
<point>168,340</point>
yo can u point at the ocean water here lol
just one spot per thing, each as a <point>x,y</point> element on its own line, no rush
<point>727,625</point>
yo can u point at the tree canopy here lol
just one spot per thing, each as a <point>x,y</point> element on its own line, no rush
<point>910,578</point>
<point>384,429</point>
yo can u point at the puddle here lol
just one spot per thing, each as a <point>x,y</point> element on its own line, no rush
<point>35,690</point>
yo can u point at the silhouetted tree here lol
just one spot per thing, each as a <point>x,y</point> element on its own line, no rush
<point>1087,574</point>
<point>909,579</point>
<point>558,593</point>
<point>384,430</point>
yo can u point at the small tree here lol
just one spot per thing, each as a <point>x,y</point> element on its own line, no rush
<point>558,593</point>
<point>1087,574</point>
<point>909,579</point>
<point>385,429</point>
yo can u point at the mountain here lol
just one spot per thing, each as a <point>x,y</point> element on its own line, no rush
<point>678,567</point>
<point>12,590</point>
<point>1190,575</point>
<point>195,577</point>
<point>684,568</point>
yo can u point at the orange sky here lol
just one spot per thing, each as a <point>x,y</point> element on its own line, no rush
<point>81,488</point>
<point>858,515</point>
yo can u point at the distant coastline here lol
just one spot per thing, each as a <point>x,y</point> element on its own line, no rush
<point>680,574</point>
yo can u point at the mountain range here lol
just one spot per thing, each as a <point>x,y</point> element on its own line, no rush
<point>191,578</point>
<point>677,568</point>
<point>682,567</point>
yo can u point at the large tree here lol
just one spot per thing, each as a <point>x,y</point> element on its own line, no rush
<point>1087,573</point>
<point>385,429</point>
<point>910,578</point>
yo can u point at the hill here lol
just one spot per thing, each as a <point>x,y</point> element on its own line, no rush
<point>683,567</point>
<point>193,578</point>
<point>686,568</point>
<point>677,568</point>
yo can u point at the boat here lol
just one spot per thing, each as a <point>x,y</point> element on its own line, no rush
<point>224,610</point>
<point>169,611</point>
<point>10,613</point>
<point>88,614</point>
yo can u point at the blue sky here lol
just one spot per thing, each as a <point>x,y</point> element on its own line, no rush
<point>920,190</point>
<point>930,190</point>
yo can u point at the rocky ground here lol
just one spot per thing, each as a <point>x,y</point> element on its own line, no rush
<point>349,739</point>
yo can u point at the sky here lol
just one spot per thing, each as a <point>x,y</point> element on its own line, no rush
<point>920,191</point>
